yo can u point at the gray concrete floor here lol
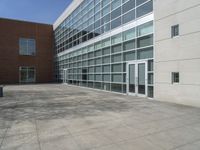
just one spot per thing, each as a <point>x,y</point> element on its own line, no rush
<point>60,117</point>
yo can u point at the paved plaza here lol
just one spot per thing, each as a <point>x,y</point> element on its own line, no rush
<point>61,117</point>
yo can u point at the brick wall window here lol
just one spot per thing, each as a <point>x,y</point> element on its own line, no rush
<point>27,74</point>
<point>27,47</point>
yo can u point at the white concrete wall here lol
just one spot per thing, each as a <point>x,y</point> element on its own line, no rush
<point>179,54</point>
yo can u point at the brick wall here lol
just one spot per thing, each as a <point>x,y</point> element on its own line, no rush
<point>10,60</point>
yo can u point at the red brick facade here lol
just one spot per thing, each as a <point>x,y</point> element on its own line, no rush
<point>10,60</point>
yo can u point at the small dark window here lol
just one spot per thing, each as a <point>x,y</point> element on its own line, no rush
<point>174,31</point>
<point>175,77</point>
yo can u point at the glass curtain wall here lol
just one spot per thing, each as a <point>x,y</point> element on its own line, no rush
<point>102,65</point>
<point>95,17</point>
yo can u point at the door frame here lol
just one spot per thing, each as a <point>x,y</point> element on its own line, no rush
<point>136,63</point>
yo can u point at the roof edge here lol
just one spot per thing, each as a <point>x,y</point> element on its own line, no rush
<point>74,4</point>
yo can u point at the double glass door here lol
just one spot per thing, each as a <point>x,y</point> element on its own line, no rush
<point>137,78</point>
<point>65,76</point>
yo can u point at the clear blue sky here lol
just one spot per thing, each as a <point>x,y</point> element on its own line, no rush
<point>43,11</point>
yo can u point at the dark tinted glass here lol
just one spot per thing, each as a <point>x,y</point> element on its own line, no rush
<point>116,13</point>
<point>145,9</point>
<point>128,6</point>
<point>115,23</point>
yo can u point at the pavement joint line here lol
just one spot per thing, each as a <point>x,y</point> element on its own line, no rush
<point>36,127</point>
<point>189,143</point>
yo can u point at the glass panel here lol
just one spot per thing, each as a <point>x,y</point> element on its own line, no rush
<point>129,16</point>
<point>115,4</point>
<point>106,86</point>
<point>117,68</point>
<point>150,91</point>
<point>91,77</point>
<point>23,75</point>
<point>145,29</point>
<point>129,34</point>
<point>90,84</point>
<point>98,69</point>
<point>129,45</point>
<point>117,58</point>
<point>106,42</point>
<point>98,53</point>
<point>98,61</point>
<point>145,41</point>
<point>138,2</point>
<point>91,62</point>
<point>22,46</point>
<point>105,19</point>
<point>106,68</point>
<point>116,23</point>
<point>116,39</point>
<point>128,6</point>
<point>116,48</point>
<point>145,53</point>
<point>141,78</point>
<point>106,51</point>
<point>91,69</point>
<point>116,13</point>
<point>97,46</point>
<point>98,85</point>
<point>117,78</point>
<point>116,87</point>
<point>132,78</point>
<point>106,10</point>
<point>129,56</point>
<point>150,78</point>
<point>145,9</point>
<point>150,65</point>
<point>106,59</point>
<point>31,47</point>
<point>98,77</point>
<point>106,77</point>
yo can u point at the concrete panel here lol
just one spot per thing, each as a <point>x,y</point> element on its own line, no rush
<point>187,20</point>
<point>164,8</point>
<point>182,47</point>
<point>181,94</point>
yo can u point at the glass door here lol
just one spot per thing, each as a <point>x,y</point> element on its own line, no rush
<point>65,75</point>
<point>137,78</point>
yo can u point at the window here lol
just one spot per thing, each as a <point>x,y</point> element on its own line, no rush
<point>116,13</point>
<point>145,29</point>
<point>27,74</point>
<point>175,77</point>
<point>130,34</point>
<point>116,23</point>
<point>27,46</point>
<point>174,31</point>
<point>129,16</point>
<point>145,41</point>
<point>145,9</point>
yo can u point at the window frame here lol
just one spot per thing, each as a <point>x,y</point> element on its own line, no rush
<point>175,31</point>
<point>30,50</point>
<point>175,77</point>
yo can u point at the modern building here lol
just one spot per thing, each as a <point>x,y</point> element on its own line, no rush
<point>147,48</point>
<point>138,47</point>
<point>107,45</point>
<point>26,52</point>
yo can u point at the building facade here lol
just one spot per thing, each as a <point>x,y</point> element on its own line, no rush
<point>26,52</point>
<point>107,45</point>
<point>147,48</point>
<point>177,51</point>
